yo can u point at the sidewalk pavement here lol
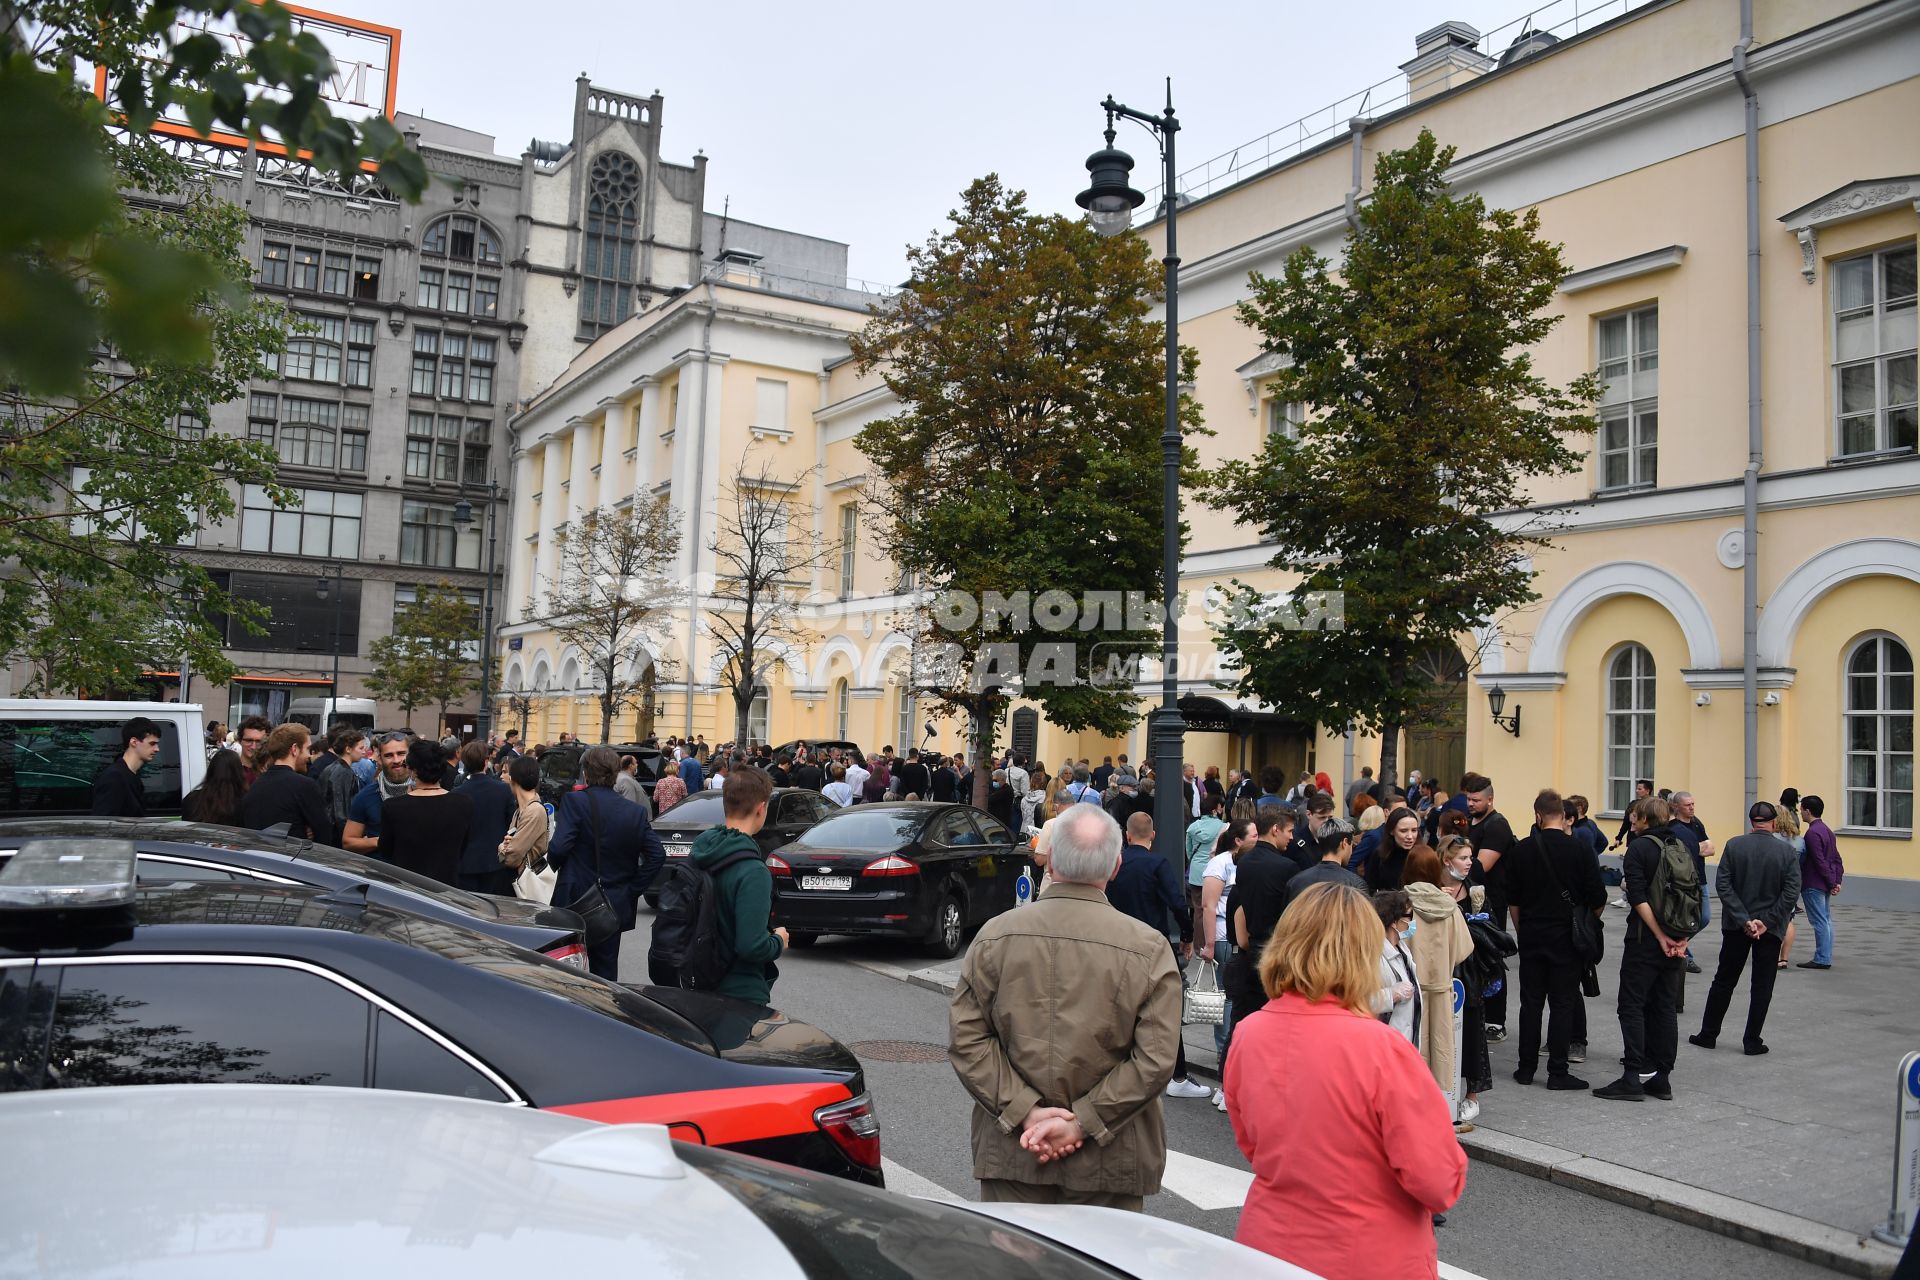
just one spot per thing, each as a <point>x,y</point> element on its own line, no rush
<point>1792,1150</point>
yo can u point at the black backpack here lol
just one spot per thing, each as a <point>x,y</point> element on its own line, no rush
<point>688,948</point>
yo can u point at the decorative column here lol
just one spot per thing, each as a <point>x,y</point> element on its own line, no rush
<point>518,587</point>
<point>553,511</point>
<point>580,476</point>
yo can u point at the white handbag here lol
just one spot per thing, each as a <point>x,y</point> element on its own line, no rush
<point>1205,1005</point>
<point>535,883</point>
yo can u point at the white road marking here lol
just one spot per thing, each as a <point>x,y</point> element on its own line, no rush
<point>908,1183</point>
<point>1204,1184</point>
<point>1450,1272</point>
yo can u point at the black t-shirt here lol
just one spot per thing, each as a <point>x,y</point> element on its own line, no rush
<point>1544,915</point>
<point>1494,833</point>
<point>946,785</point>
<point>117,792</point>
<point>426,834</point>
<point>807,775</point>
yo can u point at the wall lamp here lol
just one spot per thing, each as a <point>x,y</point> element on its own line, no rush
<point>1496,702</point>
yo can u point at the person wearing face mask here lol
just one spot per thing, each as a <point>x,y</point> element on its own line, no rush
<point>1398,1003</point>
<point>1550,875</point>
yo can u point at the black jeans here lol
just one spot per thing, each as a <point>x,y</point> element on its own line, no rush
<point>1649,1002</point>
<point>1549,977</point>
<point>1735,947</point>
<point>603,958</point>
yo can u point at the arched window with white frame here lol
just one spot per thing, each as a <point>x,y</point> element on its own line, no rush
<point>842,708</point>
<point>903,721</point>
<point>1629,723</point>
<point>1879,735</point>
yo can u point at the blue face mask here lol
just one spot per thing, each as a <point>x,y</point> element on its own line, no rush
<point>1407,932</point>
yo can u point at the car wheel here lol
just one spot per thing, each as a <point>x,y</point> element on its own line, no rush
<point>949,928</point>
<point>653,900</point>
<point>801,941</point>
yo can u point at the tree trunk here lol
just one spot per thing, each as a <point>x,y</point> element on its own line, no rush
<point>606,714</point>
<point>1390,753</point>
<point>742,713</point>
<point>981,750</point>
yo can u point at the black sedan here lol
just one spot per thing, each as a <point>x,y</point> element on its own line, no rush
<point>181,852</point>
<point>236,983</point>
<point>914,870</point>
<point>790,814</point>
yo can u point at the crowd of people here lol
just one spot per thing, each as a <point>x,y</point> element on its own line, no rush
<point>1339,928</point>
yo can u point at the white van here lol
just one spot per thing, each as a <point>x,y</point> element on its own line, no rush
<point>51,749</point>
<point>320,715</point>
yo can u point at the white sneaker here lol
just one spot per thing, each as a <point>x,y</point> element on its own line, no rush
<point>1469,1111</point>
<point>1187,1089</point>
<point>1219,1099</point>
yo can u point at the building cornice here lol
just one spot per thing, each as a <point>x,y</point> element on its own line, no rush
<point>1624,269</point>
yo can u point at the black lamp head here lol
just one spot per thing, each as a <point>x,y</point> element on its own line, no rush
<point>1110,198</point>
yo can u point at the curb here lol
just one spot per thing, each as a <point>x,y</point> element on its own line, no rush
<point>1784,1233</point>
<point>1771,1229</point>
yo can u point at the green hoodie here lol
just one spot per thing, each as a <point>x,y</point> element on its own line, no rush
<point>743,905</point>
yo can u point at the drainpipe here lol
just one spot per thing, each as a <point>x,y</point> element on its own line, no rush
<point>1357,129</point>
<point>1750,479</point>
<point>693,507</point>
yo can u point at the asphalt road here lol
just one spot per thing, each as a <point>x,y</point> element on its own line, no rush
<point>1506,1227</point>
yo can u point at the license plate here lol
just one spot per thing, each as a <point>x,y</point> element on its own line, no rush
<point>826,882</point>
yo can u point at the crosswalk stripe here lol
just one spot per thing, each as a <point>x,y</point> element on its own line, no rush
<point>1450,1272</point>
<point>1204,1184</point>
<point>908,1183</point>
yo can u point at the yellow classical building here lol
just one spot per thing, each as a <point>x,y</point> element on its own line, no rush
<point>1731,600</point>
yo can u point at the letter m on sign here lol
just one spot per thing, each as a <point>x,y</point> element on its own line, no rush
<point>348,84</point>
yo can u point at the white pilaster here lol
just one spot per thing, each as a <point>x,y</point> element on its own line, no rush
<point>580,495</point>
<point>518,586</point>
<point>553,511</point>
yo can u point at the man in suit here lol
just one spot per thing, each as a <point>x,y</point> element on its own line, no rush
<point>493,807</point>
<point>1758,883</point>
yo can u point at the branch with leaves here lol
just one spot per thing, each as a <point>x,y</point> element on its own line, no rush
<point>1026,456</point>
<point>1425,417</point>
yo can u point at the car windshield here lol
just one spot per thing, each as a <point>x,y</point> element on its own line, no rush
<point>838,1230</point>
<point>878,829</point>
<point>696,811</point>
<point>560,766</point>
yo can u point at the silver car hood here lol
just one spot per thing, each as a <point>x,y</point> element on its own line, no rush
<point>1137,1245</point>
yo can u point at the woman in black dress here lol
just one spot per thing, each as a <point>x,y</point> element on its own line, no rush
<point>425,830</point>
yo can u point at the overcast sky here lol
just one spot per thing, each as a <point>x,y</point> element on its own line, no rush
<point>862,121</point>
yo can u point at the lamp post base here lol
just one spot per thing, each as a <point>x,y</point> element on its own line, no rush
<point>1166,740</point>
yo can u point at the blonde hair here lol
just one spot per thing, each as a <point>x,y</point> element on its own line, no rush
<point>1372,817</point>
<point>1786,821</point>
<point>1327,946</point>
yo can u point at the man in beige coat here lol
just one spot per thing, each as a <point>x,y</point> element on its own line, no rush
<point>1065,1027</point>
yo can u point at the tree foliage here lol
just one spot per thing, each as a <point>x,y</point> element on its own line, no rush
<point>1425,417</point>
<point>764,559</point>
<point>1026,455</point>
<point>77,267</point>
<point>613,594</point>
<point>126,314</point>
<point>424,660</point>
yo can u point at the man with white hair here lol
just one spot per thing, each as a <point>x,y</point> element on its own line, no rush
<point>1065,1027</point>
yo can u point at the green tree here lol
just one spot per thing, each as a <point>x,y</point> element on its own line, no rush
<point>444,629</point>
<point>399,674</point>
<point>77,267</point>
<point>126,315</point>
<point>1425,417</point>
<point>614,593</point>
<point>1025,457</point>
<point>426,660</point>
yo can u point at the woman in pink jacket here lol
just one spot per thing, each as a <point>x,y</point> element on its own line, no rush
<point>1352,1148</point>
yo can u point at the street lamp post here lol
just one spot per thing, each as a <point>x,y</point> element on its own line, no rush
<point>338,591</point>
<point>463,516</point>
<point>1110,201</point>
